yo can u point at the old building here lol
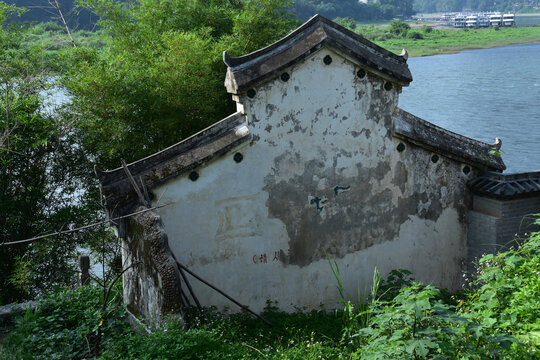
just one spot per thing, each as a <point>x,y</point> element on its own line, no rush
<point>317,163</point>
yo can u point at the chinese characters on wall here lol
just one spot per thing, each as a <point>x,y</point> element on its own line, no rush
<point>264,258</point>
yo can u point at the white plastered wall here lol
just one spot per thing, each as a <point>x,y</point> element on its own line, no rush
<point>321,177</point>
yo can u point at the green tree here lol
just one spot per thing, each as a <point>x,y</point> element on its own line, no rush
<point>41,171</point>
<point>347,22</point>
<point>402,7</point>
<point>160,78</point>
<point>400,28</point>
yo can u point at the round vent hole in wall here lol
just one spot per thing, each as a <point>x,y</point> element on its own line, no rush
<point>238,157</point>
<point>327,60</point>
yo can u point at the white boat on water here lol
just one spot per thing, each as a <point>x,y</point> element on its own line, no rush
<point>471,21</point>
<point>508,20</point>
<point>459,21</point>
<point>483,20</point>
<point>495,20</point>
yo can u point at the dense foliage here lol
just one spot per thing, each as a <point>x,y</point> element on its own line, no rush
<point>497,317</point>
<point>40,174</point>
<point>160,77</point>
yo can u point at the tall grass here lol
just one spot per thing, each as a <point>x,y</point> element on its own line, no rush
<point>358,314</point>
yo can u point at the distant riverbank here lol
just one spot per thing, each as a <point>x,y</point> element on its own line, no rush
<point>426,40</point>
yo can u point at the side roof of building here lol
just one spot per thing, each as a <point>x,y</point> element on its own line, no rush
<point>507,186</point>
<point>447,143</point>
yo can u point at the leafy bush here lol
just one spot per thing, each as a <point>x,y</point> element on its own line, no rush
<point>506,299</point>
<point>400,28</point>
<point>415,35</point>
<point>499,317</point>
<point>394,282</point>
<point>427,29</point>
<point>65,324</point>
<point>347,22</point>
<point>418,324</point>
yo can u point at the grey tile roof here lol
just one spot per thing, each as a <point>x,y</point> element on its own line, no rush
<point>245,71</point>
<point>447,143</point>
<point>506,185</point>
<point>175,160</point>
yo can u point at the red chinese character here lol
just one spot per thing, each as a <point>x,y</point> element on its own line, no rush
<point>276,256</point>
<point>262,258</point>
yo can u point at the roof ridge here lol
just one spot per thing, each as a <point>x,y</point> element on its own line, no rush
<point>234,62</point>
<point>244,71</point>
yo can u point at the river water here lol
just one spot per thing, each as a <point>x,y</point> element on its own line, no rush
<point>483,94</point>
<point>527,19</point>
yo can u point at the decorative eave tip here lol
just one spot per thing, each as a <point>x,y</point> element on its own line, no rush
<point>404,54</point>
<point>496,146</point>
<point>226,58</point>
<point>245,71</point>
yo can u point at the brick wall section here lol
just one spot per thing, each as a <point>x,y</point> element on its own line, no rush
<point>481,235</point>
<point>494,223</point>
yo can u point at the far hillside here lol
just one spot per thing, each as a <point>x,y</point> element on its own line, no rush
<point>362,11</point>
<point>76,17</point>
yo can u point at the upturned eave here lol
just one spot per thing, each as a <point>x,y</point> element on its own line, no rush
<point>245,71</point>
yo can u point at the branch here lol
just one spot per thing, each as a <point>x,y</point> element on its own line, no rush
<point>56,5</point>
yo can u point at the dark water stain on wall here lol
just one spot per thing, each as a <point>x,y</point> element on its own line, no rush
<point>321,222</point>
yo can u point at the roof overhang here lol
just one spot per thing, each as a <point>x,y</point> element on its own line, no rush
<point>444,142</point>
<point>245,71</point>
<point>173,161</point>
<point>507,186</point>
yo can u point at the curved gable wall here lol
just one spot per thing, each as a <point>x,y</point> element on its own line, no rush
<point>321,177</point>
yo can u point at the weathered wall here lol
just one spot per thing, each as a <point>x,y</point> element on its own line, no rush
<point>151,283</point>
<point>322,177</point>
